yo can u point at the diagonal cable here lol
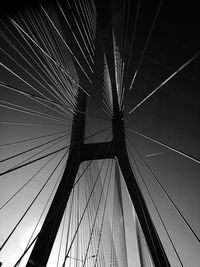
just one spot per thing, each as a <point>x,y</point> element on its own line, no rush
<point>49,154</point>
<point>168,196</point>
<point>163,83</point>
<point>31,204</point>
<point>154,204</point>
<point>166,146</point>
<point>146,43</point>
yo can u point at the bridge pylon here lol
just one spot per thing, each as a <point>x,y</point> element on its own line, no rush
<point>79,152</point>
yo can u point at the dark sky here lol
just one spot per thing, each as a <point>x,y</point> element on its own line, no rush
<point>174,40</point>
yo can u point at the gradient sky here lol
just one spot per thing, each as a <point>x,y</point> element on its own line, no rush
<point>170,116</point>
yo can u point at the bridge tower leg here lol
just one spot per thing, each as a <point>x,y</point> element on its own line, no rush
<point>44,243</point>
<point>80,152</point>
<point>153,241</point>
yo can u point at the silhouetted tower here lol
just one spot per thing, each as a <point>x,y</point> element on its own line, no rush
<point>80,152</point>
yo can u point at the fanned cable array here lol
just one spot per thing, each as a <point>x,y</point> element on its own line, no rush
<point>119,72</point>
<point>48,58</point>
<point>107,87</point>
<point>118,225</point>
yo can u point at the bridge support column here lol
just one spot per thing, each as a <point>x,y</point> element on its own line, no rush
<point>119,143</point>
<point>80,152</point>
<point>44,243</point>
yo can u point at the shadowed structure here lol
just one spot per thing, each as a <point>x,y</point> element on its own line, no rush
<point>80,152</point>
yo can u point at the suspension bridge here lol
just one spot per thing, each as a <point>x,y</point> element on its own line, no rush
<point>99,134</point>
